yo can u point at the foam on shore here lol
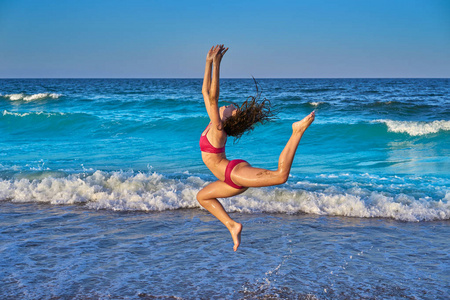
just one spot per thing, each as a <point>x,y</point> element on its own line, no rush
<point>129,191</point>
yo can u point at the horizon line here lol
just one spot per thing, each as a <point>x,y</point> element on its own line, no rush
<point>224,78</point>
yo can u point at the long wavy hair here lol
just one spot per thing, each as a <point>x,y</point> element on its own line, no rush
<point>251,112</point>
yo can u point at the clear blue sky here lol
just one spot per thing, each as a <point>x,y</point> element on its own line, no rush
<point>169,39</point>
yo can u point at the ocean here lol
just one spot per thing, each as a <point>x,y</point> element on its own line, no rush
<point>98,179</point>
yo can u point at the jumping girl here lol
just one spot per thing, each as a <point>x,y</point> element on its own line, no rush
<point>236,176</point>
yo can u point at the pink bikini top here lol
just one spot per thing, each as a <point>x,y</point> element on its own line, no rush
<point>206,146</point>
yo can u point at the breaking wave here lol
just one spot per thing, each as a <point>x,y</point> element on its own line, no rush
<point>416,128</point>
<point>131,191</point>
<point>33,97</point>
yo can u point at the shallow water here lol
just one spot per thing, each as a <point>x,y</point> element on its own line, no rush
<point>68,251</point>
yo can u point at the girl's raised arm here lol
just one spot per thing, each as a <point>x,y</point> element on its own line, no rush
<point>207,77</point>
<point>210,89</point>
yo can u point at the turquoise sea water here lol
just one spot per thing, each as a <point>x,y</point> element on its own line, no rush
<point>92,169</point>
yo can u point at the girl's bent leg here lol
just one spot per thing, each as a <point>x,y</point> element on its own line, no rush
<point>207,197</point>
<point>246,175</point>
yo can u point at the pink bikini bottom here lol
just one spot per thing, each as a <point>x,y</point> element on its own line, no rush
<point>228,170</point>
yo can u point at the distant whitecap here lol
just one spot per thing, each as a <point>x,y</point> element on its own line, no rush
<point>416,128</point>
<point>33,97</point>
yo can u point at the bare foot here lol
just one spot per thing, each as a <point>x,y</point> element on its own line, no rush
<point>302,125</point>
<point>236,234</point>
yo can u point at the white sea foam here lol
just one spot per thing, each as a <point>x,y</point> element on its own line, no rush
<point>416,128</point>
<point>334,202</point>
<point>124,191</point>
<point>101,190</point>
<point>33,97</point>
<point>8,113</point>
<point>315,103</point>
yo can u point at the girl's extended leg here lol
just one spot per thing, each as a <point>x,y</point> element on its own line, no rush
<point>245,175</point>
<point>207,197</point>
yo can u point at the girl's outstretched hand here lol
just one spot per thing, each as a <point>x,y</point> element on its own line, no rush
<point>210,55</point>
<point>220,53</point>
<point>216,53</point>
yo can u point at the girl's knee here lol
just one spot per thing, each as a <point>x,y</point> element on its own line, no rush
<point>199,196</point>
<point>282,177</point>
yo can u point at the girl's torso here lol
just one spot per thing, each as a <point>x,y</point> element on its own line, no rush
<point>213,157</point>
